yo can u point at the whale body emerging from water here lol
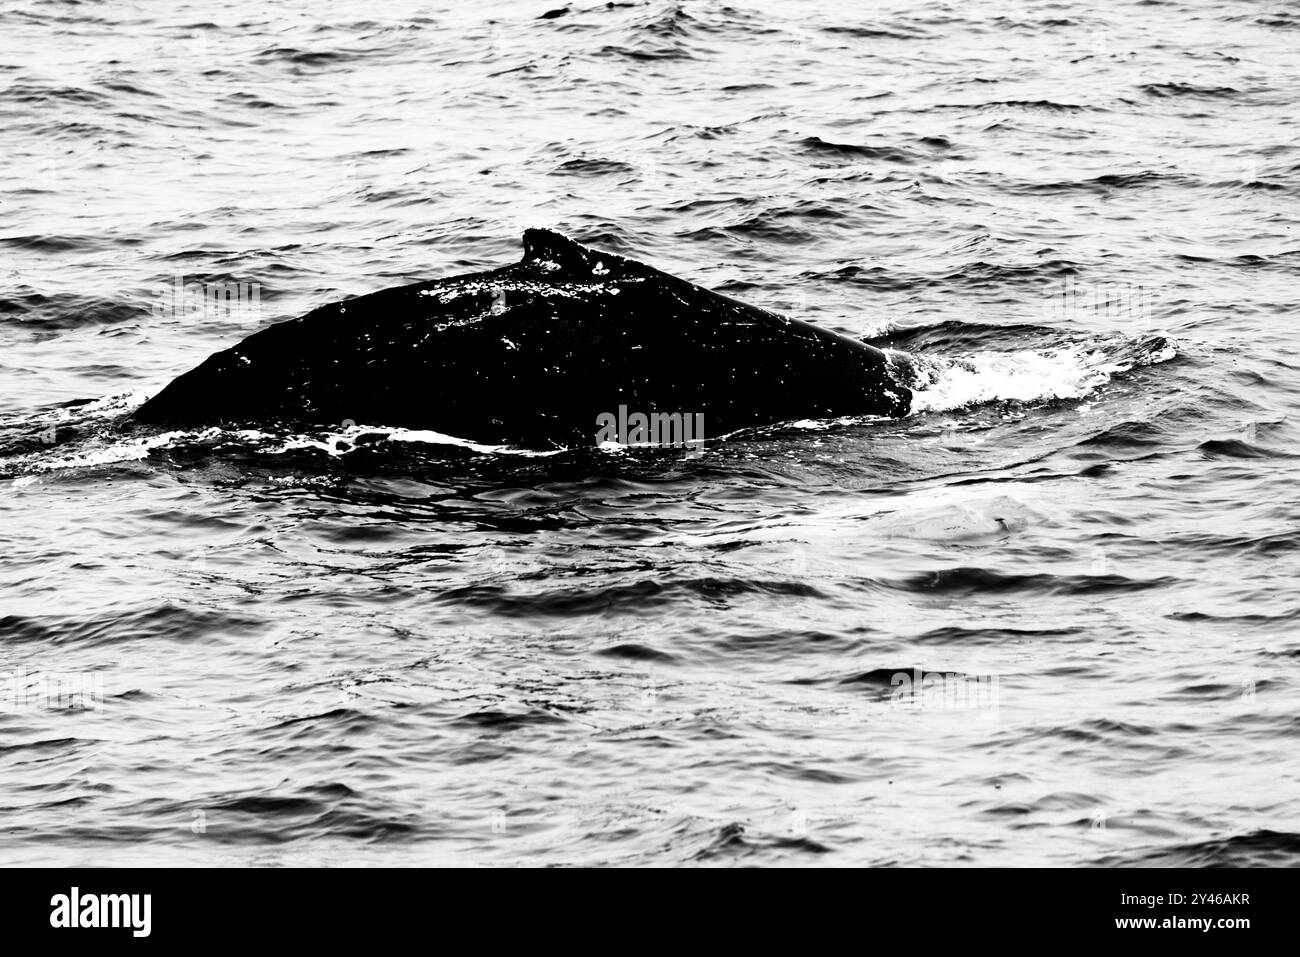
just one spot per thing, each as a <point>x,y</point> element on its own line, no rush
<point>539,354</point>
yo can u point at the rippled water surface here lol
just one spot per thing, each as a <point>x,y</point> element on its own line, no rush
<point>1048,618</point>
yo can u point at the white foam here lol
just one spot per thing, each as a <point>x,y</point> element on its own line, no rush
<point>333,442</point>
<point>127,450</point>
<point>1021,376</point>
<point>336,444</point>
<point>109,405</point>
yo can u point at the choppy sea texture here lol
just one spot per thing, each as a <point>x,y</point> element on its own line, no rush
<point>1049,618</point>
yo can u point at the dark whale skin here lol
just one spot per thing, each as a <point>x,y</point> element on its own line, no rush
<point>531,354</point>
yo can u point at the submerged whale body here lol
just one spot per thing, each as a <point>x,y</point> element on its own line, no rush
<point>536,354</point>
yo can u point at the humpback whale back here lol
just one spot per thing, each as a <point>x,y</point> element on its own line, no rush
<point>533,354</point>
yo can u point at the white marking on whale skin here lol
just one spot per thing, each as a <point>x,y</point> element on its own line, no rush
<point>476,288</point>
<point>479,287</point>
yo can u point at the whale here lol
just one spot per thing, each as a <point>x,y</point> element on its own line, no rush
<point>544,353</point>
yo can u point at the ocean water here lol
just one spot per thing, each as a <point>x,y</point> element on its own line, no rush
<point>1048,618</point>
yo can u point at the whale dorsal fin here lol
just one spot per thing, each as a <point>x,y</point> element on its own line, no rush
<point>559,257</point>
<point>548,246</point>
